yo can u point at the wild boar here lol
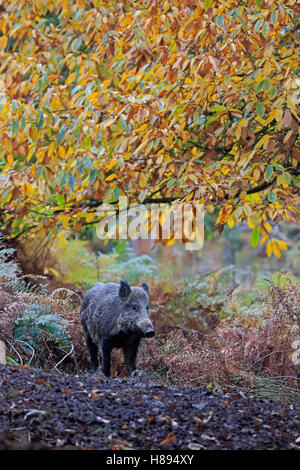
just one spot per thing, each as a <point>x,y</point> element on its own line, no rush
<point>115,316</point>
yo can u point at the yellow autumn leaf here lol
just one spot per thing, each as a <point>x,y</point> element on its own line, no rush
<point>90,216</point>
<point>193,178</point>
<point>29,189</point>
<point>111,177</point>
<point>170,242</point>
<point>61,152</point>
<point>268,226</point>
<point>269,249</point>
<point>276,250</point>
<point>62,238</point>
<point>189,197</point>
<point>3,42</point>
<point>71,78</point>
<point>282,245</point>
<point>10,159</point>
<point>231,222</point>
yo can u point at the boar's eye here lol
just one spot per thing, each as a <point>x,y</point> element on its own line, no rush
<point>134,308</point>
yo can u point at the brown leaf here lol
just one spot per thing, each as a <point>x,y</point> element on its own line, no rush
<point>21,366</point>
<point>117,444</point>
<point>41,381</point>
<point>168,439</point>
<point>71,431</point>
<point>214,62</point>
<point>287,118</point>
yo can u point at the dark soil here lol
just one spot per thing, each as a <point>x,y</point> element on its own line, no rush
<point>40,410</point>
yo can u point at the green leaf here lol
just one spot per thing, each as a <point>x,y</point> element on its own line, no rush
<point>143,194</point>
<point>77,44</point>
<point>23,122</point>
<point>267,85</point>
<point>60,200</point>
<point>75,89</point>
<point>274,17</point>
<point>88,142</point>
<point>61,134</point>
<point>211,119</point>
<point>277,166</point>
<point>39,171</point>
<point>259,86</point>
<point>125,125</point>
<point>40,84</point>
<point>87,162</point>
<point>255,237</point>
<point>64,179</point>
<point>220,20</point>
<point>260,109</point>
<point>171,182</point>
<point>296,180</point>
<point>72,182</point>
<point>93,176</point>
<point>265,28</point>
<point>218,107</point>
<point>207,4</point>
<point>272,197</point>
<point>248,108</point>
<point>268,172</point>
<point>258,25</point>
<point>81,170</point>
<point>40,120</point>
<point>197,117</point>
<point>247,210</point>
<point>273,92</point>
<point>15,126</point>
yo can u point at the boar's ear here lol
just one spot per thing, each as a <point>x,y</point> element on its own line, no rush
<point>145,287</point>
<point>124,290</point>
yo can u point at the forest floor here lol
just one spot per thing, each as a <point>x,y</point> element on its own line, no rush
<point>43,410</point>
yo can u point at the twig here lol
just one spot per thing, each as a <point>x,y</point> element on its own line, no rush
<point>71,292</point>
<point>68,354</point>
<point>32,276</point>
<point>20,357</point>
<point>267,355</point>
<point>29,345</point>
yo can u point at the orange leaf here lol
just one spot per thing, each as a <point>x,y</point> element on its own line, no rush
<point>168,439</point>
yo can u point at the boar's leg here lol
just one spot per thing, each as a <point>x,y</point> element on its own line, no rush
<point>93,350</point>
<point>130,352</point>
<point>106,348</point>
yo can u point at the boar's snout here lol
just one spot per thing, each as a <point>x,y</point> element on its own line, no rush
<point>145,327</point>
<point>149,333</point>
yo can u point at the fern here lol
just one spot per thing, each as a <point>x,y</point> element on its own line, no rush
<point>8,269</point>
<point>133,270</point>
<point>39,326</point>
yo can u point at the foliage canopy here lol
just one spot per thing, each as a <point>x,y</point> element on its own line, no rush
<point>160,101</point>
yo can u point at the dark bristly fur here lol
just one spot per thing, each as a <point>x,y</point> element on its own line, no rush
<point>115,316</point>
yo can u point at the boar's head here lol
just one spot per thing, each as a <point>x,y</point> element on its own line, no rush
<point>134,317</point>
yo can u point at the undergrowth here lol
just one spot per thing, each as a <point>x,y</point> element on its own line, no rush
<point>230,330</point>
